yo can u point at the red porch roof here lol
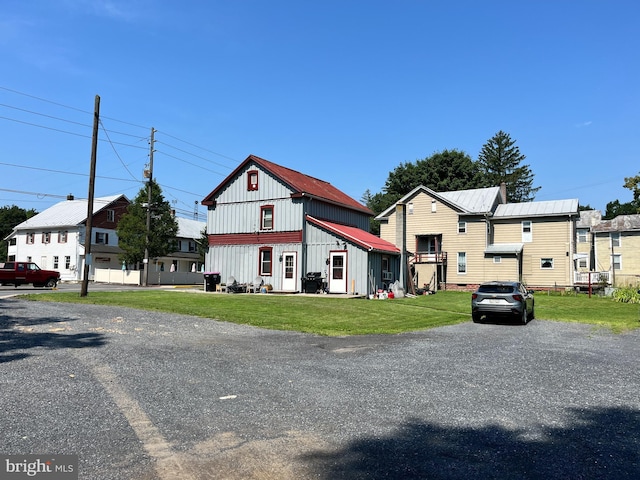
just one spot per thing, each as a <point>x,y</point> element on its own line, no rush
<point>358,236</point>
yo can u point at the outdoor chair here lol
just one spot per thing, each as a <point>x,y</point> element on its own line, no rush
<point>233,286</point>
<point>255,286</point>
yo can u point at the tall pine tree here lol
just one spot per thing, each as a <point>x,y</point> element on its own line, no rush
<point>500,161</point>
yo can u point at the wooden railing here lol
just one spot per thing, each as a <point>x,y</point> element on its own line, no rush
<point>596,278</point>
<point>424,257</point>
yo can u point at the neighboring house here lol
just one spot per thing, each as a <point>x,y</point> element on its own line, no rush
<point>54,239</point>
<point>584,258</point>
<point>277,225</point>
<point>462,238</point>
<point>617,249</point>
<point>187,257</point>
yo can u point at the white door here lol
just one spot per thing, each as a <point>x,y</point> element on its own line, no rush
<point>43,263</point>
<point>338,272</point>
<point>289,269</point>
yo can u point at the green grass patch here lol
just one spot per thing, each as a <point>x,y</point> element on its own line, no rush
<point>335,316</point>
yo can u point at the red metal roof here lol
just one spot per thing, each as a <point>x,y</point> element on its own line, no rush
<point>358,236</point>
<point>301,184</point>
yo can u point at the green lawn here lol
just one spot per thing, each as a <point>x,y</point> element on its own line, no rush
<point>327,315</point>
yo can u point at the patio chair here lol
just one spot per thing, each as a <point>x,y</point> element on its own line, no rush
<point>255,286</point>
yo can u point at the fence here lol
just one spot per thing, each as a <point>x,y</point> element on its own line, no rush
<point>135,277</point>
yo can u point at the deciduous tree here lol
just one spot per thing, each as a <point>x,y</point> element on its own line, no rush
<point>132,227</point>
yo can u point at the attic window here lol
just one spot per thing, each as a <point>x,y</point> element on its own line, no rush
<point>434,207</point>
<point>252,180</point>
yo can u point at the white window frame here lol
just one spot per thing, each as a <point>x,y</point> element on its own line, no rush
<point>615,239</point>
<point>616,266</point>
<point>462,227</point>
<point>583,235</point>
<point>462,262</point>
<point>545,260</point>
<point>527,231</point>
<point>497,259</point>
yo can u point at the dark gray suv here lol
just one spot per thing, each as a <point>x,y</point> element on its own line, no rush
<point>510,299</point>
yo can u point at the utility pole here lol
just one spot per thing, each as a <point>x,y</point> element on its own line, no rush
<point>92,182</point>
<point>149,175</point>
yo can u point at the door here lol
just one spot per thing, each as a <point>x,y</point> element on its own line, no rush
<point>289,269</point>
<point>338,272</point>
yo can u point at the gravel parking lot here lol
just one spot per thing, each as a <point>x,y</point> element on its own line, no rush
<point>141,395</point>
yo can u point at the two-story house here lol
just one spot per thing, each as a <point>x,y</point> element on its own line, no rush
<point>55,237</point>
<point>187,257</point>
<point>462,238</point>
<point>616,247</point>
<point>270,222</point>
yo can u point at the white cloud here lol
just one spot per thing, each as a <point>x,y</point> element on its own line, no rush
<point>584,124</point>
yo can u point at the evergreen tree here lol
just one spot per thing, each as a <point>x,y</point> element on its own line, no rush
<point>132,227</point>
<point>500,161</point>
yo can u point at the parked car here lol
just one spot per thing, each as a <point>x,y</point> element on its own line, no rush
<point>19,273</point>
<point>504,299</point>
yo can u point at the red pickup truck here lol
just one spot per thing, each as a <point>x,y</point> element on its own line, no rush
<point>19,273</point>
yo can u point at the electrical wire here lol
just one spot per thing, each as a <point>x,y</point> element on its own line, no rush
<point>115,151</point>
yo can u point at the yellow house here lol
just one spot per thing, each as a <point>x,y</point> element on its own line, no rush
<point>616,249</point>
<point>456,240</point>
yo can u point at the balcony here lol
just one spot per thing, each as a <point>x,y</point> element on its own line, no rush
<point>582,278</point>
<point>424,257</point>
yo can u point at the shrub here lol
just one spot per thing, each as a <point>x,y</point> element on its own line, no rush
<point>627,295</point>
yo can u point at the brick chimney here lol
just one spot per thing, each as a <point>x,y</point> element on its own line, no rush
<point>503,192</point>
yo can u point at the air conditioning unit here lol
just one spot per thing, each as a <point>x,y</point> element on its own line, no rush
<point>387,276</point>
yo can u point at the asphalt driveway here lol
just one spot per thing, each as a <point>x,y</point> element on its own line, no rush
<point>140,395</point>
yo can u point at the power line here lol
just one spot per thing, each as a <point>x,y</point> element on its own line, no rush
<point>115,151</point>
<point>65,173</point>
<point>201,148</point>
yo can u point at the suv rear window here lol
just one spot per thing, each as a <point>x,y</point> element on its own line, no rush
<point>495,288</point>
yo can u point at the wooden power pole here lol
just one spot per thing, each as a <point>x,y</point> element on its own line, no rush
<point>149,175</point>
<point>92,182</point>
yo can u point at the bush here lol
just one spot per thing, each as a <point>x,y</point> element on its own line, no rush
<point>627,295</point>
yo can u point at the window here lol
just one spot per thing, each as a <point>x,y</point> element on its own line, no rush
<point>582,263</point>
<point>31,238</point>
<point>67,262</point>
<point>433,206</point>
<point>582,235</point>
<point>252,180</point>
<point>266,262</point>
<point>55,262</point>
<point>266,217</point>
<point>546,263</point>
<point>527,235</point>
<point>111,216</point>
<point>62,237</point>
<point>462,262</point>
<point>615,239</point>
<point>46,237</point>
<point>192,246</point>
<point>102,238</point>
<point>462,227</point>
<point>497,259</point>
<point>410,205</point>
<point>617,261</point>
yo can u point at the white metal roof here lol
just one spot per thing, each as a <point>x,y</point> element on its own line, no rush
<point>188,228</point>
<point>504,248</point>
<point>66,214</point>
<point>537,209</point>
<point>477,200</point>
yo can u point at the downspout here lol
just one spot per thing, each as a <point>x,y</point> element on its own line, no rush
<point>401,242</point>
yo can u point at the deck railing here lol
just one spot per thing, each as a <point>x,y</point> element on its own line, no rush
<point>596,278</point>
<point>425,257</point>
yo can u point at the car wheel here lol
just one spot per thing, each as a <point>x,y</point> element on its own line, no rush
<point>533,312</point>
<point>51,283</point>
<point>476,317</point>
<point>524,319</point>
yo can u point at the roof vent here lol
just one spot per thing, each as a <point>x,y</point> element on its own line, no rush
<point>70,197</point>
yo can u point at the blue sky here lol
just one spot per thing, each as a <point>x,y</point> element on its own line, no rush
<point>341,90</point>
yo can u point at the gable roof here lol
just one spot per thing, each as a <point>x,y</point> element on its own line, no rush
<point>68,213</point>
<point>621,223</point>
<point>366,240</point>
<point>472,201</point>
<point>301,185</point>
<point>537,209</point>
<point>188,228</point>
